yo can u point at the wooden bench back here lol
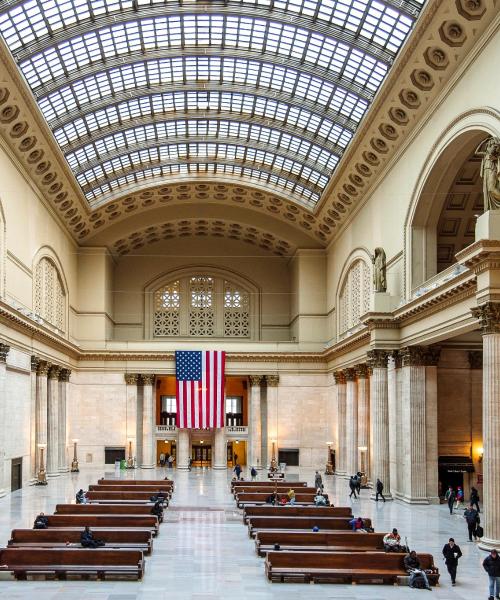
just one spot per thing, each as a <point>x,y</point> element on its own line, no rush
<point>297,511</point>
<point>300,523</point>
<point>378,561</point>
<point>44,536</point>
<point>21,557</point>
<point>119,495</point>
<point>150,489</point>
<point>143,521</point>
<point>153,482</point>
<point>310,538</point>
<point>270,484</point>
<point>104,509</point>
<point>282,491</point>
<point>261,497</point>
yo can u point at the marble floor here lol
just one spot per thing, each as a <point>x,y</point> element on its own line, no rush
<point>203,551</point>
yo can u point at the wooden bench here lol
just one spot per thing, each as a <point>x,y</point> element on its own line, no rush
<point>296,511</point>
<point>307,523</point>
<point>339,567</point>
<point>152,491</point>
<point>62,562</point>
<point>282,491</point>
<point>338,541</point>
<point>259,498</point>
<point>153,482</point>
<point>105,521</point>
<point>130,539</point>
<point>104,509</point>
<point>115,497</point>
<point>269,484</point>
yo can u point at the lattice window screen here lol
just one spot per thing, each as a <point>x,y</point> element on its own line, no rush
<point>354,299</point>
<point>50,299</point>
<point>236,311</point>
<point>201,310</point>
<point>367,283</point>
<point>167,302</point>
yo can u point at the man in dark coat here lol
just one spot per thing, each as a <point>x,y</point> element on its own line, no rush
<point>379,489</point>
<point>472,518</point>
<point>491,565</point>
<point>452,553</point>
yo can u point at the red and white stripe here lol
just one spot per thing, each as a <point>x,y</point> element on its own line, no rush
<point>200,404</point>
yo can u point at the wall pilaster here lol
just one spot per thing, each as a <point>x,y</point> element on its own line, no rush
<point>4,350</point>
<point>148,423</point>
<point>131,380</point>
<point>352,466</point>
<point>254,422</point>
<point>53,422</point>
<point>272,382</point>
<point>63,462</point>
<point>341,442</point>
<point>363,418</point>
<point>33,418</point>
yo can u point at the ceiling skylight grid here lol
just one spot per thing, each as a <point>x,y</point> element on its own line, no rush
<point>136,91</point>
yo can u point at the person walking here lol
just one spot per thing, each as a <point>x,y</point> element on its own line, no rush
<point>358,482</point>
<point>171,461</point>
<point>450,498</point>
<point>379,489</point>
<point>452,553</point>
<point>318,481</point>
<point>162,459</point>
<point>472,517</point>
<point>237,471</point>
<point>253,473</point>
<point>491,565</point>
<point>352,486</point>
<point>474,498</point>
<point>460,497</point>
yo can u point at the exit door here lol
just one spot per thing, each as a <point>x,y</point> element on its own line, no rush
<point>201,455</point>
<point>16,474</point>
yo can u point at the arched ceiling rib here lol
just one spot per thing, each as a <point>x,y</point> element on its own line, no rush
<point>90,63</point>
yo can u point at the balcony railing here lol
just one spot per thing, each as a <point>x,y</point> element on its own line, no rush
<point>162,429</point>
<point>237,430</point>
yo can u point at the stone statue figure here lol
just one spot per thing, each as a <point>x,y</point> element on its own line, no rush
<point>379,280</point>
<point>489,149</point>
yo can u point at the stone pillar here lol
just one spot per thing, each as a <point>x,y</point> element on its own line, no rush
<point>220,449</point>
<point>431,424</point>
<point>393,406</point>
<point>272,415</point>
<point>131,380</point>
<point>363,418</point>
<point>419,425</point>
<point>489,318</point>
<point>53,422</point>
<point>33,450</point>
<point>351,422</point>
<point>148,423</point>
<point>183,449</point>
<point>476,395</point>
<point>4,350</point>
<point>379,421</point>
<point>63,427</point>
<point>41,408</point>
<point>340,459</point>
<point>254,426</point>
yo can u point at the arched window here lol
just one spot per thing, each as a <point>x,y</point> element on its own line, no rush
<point>201,305</point>
<point>50,298</point>
<point>354,298</point>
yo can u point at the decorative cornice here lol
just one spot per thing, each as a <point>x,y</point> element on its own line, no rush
<point>362,371</point>
<point>131,378</point>
<point>488,315</point>
<point>377,359</point>
<point>255,380</point>
<point>272,380</point>
<point>148,378</point>
<point>4,350</point>
<point>475,359</point>
<point>339,377</point>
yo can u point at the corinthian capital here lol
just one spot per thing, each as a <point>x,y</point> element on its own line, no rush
<point>488,315</point>
<point>377,359</point>
<point>4,350</point>
<point>43,368</point>
<point>350,374</point>
<point>272,380</point>
<point>413,356</point>
<point>64,375</point>
<point>362,371</point>
<point>131,378</point>
<point>339,377</point>
<point>148,378</point>
<point>255,380</point>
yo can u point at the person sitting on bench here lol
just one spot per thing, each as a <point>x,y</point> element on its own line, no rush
<point>41,522</point>
<point>159,497</point>
<point>81,497</point>
<point>157,509</point>
<point>392,541</point>
<point>88,540</point>
<point>319,499</point>
<point>357,524</point>
<point>271,499</point>
<point>413,568</point>
<point>291,496</point>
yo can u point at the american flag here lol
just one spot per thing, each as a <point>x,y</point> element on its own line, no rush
<point>200,388</point>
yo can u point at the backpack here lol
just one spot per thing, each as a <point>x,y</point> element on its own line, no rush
<point>479,531</point>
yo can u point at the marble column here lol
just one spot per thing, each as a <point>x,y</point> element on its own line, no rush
<point>220,449</point>
<point>41,408</point>
<point>33,450</point>
<point>431,424</point>
<point>4,350</point>
<point>254,425</point>
<point>63,463</point>
<point>131,380</point>
<point>379,421</point>
<point>53,422</point>
<point>340,459</point>
<point>183,449</point>
<point>351,422</point>
<point>363,418</point>
<point>476,395</point>
<point>272,415</point>
<point>489,318</point>
<point>393,407</point>
<point>148,423</point>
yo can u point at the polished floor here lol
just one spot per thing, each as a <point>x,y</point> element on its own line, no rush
<point>203,551</point>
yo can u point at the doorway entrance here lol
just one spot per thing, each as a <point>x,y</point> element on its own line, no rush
<point>167,448</point>
<point>16,474</point>
<point>236,453</point>
<point>201,455</point>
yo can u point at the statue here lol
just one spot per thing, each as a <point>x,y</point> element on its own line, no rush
<point>489,149</point>
<point>379,280</point>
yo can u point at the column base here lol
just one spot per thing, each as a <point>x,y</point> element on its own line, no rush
<point>148,466</point>
<point>182,468</point>
<point>219,467</point>
<point>53,474</point>
<point>64,470</point>
<point>487,544</point>
<point>417,500</point>
<point>388,497</point>
<point>2,493</point>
